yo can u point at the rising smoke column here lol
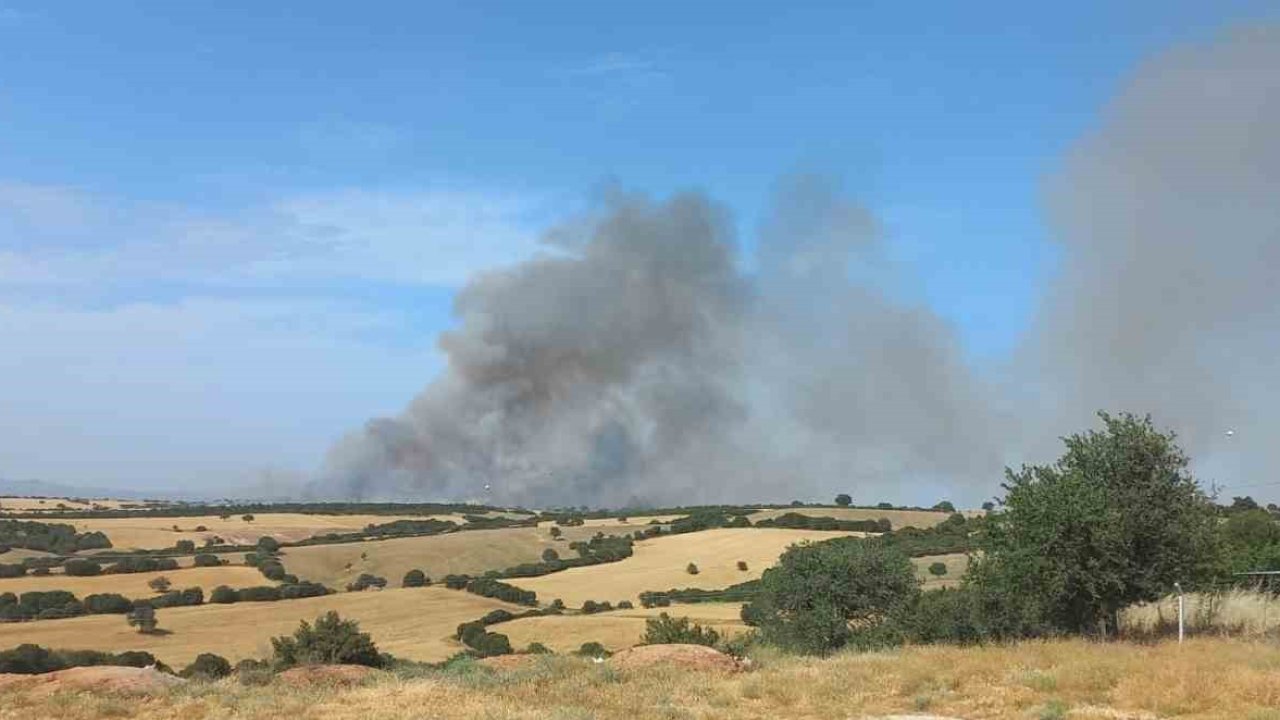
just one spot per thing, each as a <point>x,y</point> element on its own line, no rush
<point>639,364</point>
<point>1168,221</point>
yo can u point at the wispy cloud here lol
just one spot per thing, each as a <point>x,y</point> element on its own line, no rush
<point>617,63</point>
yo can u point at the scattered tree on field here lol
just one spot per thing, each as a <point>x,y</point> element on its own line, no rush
<point>938,569</point>
<point>843,500</point>
<point>159,584</point>
<point>143,617</point>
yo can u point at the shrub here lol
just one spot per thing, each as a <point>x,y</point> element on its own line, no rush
<point>497,616</point>
<point>843,500</point>
<point>268,545</point>
<point>591,607</point>
<point>207,666</point>
<point>207,560</point>
<point>252,559</point>
<point>691,568</point>
<point>366,581</point>
<point>81,567</point>
<point>810,600</point>
<point>185,547</point>
<point>456,582</point>
<point>938,569</point>
<point>13,571</point>
<point>254,672</point>
<point>223,595</point>
<point>593,649</point>
<point>626,605</point>
<point>143,617</point>
<point>415,578</point>
<point>742,565</point>
<point>490,644</point>
<point>946,616</point>
<point>295,590</point>
<point>272,570</point>
<point>31,659</point>
<point>557,604</point>
<point>258,593</point>
<point>665,629</point>
<point>537,648</point>
<point>179,598</point>
<point>41,571</point>
<point>107,603</point>
<point>159,584</point>
<point>330,641</point>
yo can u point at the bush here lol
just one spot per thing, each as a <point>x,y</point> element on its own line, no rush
<point>415,578</point>
<point>456,582</point>
<point>843,500</point>
<point>295,590</point>
<point>223,595</point>
<point>268,545</point>
<point>742,565</point>
<point>330,641</point>
<point>489,644</point>
<point>186,547</point>
<point>810,600</point>
<point>691,569</point>
<point>550,555</point>
<point>81,567</point>
<point>938,569</point>
<point>107,604</point>
<point>497,616</point>
<point>31,659</point>
<point>258,593</point>
<point>41,571</point>
<point>207,666</point>
<point>664,630</point>
<point>946,616</point>
<point>159,584</point>
<point>13,570</point>
<point>143,617</point>
<point>626,605</point>
<point>537,648</point>
<point>591,607</point>
<point>179,598</point>
<point>593,650</point>
<point>254,672</point>
<point>207,560</point>
<point>271,569</point>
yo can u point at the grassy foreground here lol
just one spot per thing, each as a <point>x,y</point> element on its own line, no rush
<point>1209,678</point>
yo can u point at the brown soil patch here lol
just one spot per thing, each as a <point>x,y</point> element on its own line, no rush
<point>124,680</point>
<point>327,675</point>
<point>690,657</point>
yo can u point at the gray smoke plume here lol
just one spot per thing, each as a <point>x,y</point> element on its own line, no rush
<point>637,363</point>
<point>1168,219</point>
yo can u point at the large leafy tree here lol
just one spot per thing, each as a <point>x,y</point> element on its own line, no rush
<point>1116,520</point>
<point>821,597</point>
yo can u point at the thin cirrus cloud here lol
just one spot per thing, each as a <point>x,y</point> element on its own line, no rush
<point>67,236</point>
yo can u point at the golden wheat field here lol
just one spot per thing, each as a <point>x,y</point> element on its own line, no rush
<point>615,630</point>
<point>157,532</point>
<point>134,585</point>
<point>956,564</point>
<point>899,518</point>
<point>660,564</point>
<point>416,623</point>
<point>29,505</point>
<point>1070,679</point>
<point>469,552</point>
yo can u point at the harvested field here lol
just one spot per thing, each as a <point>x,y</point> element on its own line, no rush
<point>615,630</point>
<point>134,585</point>
<point>660,564</point>
<point>470,552</point>
<point>414,623</point>
<point>157,532</point>
<point>32,505</point>
<point>956,564</point>
<point>899,518</point>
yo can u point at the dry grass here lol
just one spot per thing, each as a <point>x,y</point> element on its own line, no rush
<point>899,518</point>
<point>29,505</point>
<point>413,623</point>
<point>956,564</point>
<point>1203,680</point>
<point>615,630</point>
<point>470,552</point>
<point>157,532</point>
<point>1237,613</point>
<point>134,585</point>
<point>659,564</point>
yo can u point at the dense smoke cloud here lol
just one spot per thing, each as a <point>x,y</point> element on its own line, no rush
<point>635,362</point>
<point>638,364</point>
<point>1168,219</point>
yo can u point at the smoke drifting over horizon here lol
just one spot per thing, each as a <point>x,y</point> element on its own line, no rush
<point>635,362</point>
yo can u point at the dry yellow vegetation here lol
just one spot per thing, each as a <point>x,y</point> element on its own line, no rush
<point>956,564</point>
<point>157,532</point>
<point>134,585</point>
<point>899,518</point>
<point>615,630</point>
<point>468,552</point>
<point>1202,680</point>
<point>416,623</point>
<point>29,505</point>
<point>660,564</point>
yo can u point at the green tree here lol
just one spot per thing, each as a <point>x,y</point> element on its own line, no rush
<point>1252,540</point>
<point>185,546</point>
<point>843,500</point>
<point>550,555</point>
<point>556,532</point>
<point>938,569</point>
<point>815,597</point>
<point>664,630</point>
<point>945,506</point>
<point>143,617</point>
<point>207,666</point>
<point>1116,520</point>
<point>414,578</point>
<point>330,641</point>
<point>159,584</point>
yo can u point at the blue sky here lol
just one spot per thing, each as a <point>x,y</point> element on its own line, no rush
<point>230,232</point>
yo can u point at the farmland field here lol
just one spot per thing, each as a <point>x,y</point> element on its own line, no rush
<point>134,585</point>
<point>158,532</point>
<point>899,518</point>
<point>660,564</point>
<point>470,552</point>
<point>50,505</point>
<point>615,630</point>
<point>413,623</point>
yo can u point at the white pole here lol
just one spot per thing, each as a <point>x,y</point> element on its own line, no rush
<point>1181,615</point>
